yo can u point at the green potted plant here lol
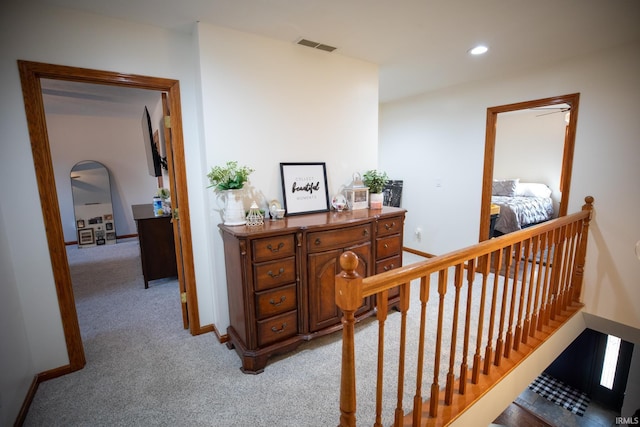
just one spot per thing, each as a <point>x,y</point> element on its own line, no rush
<point>229,177</point>
<point>228,181</point>
<point>376,181</point>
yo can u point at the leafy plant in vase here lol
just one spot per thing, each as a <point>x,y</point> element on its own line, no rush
<point>376,181</point>
<point>228,181</point>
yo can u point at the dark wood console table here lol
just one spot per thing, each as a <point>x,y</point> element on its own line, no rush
<point>157,248</point>
<point>280,276</point>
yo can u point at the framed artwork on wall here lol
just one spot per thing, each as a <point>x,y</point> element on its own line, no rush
<point>304,188</point>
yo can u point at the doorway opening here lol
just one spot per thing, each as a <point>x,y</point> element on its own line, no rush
<point>571,102</point>
<point>31,74</point>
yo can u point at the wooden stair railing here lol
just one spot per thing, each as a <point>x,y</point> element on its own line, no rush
<point>511,292</point>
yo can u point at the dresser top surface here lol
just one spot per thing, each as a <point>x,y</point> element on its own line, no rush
<point>315,220</point>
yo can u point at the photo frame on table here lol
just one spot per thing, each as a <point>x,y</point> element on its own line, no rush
<point>304,188</point>
<point>85,236</point>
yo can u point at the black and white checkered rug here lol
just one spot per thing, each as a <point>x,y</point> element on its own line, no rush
<point>561,394</point>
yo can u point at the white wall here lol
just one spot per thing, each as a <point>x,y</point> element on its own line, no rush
<point>266,102</point>
<point>48,34</point>
<point>262,102</point>
<point>441,136</point>
<point>117,143</point>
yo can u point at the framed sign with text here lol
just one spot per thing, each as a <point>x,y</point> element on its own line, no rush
<point>304,188</point>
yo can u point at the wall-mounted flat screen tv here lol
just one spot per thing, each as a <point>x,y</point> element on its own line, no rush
<point>154,162</point>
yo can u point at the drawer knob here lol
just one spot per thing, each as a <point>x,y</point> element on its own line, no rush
<point>277,331</point>
<point>273,302</point>
<point>389,267</point>
<point>318,241</point>
<point>275,276</point>
<point>390,226</point>
<point>386,246</point>
<point>365,232</point>
<point>272,249</point>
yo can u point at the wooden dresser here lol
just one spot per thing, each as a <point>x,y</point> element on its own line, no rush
<point>157,248</point>
<point>280,276</point>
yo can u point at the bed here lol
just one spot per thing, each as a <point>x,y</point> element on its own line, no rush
<point>522,204</point>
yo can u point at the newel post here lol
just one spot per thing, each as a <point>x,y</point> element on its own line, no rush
<point>578,276</point>
<point>348,299</point>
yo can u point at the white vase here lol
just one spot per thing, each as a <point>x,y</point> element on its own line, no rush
<point>375,200</point>
<point>233,210</point>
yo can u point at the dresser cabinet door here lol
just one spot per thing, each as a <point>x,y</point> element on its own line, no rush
<point>323,267</point>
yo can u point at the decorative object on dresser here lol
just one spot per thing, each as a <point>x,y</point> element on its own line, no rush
<point>392,193</point>
<point>157,247</point>
<point>376,182</point>
<point>228,181</point>
<point>304,188</point>
<point>357,194</point>
<point>164,207</point>
<point>280,277</point>
<point>255,217</point>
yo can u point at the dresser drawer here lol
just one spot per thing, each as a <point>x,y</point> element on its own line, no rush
<point>277,328</point>
<point>276,301</point>
<point>386,226</point>
<point>388,246</point>
<point>268,275</point>
<point>388,264</point>
<point>336,239</point>
<point>273,247</point>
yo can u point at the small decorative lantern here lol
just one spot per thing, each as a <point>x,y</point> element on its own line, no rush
<point>357,193</point>
<point>254,217</point>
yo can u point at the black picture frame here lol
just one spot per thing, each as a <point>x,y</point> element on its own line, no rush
<point>304,187</point>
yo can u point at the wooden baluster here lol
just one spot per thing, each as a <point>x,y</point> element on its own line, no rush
<point>448,395</point>
<point>435,387</point>
<point>566,291</point>
<point>578,277</point>
<point>417,399</point>
<point>557,264</point>
<point>574,256</point>
<point>569,257</point>
<point>348,299</point>
<point>497,255</point>
<point>517,253</point>
<point>535,321</point>
<point>382,307</point>
<point>477,358</point>
<point>565,244</point>
<point>471,272</point>
<point>404,307</point>
<point>506,252</point>
<point>523,288</point>
<point>531,287</point>
<point>548,271</point>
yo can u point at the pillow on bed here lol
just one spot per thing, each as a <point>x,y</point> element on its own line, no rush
<point>532,189</point>
<point>505,187</point>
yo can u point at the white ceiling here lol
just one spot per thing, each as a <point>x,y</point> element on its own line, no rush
<point>419,45</point>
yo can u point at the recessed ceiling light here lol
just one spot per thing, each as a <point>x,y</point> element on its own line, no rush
<point>479,50</point>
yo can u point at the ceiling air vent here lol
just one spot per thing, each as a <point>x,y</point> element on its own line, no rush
<point>316,45</point>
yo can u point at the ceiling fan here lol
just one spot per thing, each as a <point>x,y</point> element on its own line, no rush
<point>558,110</point>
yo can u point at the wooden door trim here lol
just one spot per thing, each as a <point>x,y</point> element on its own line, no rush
<point>30,75</point>
<point>490,145</point>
